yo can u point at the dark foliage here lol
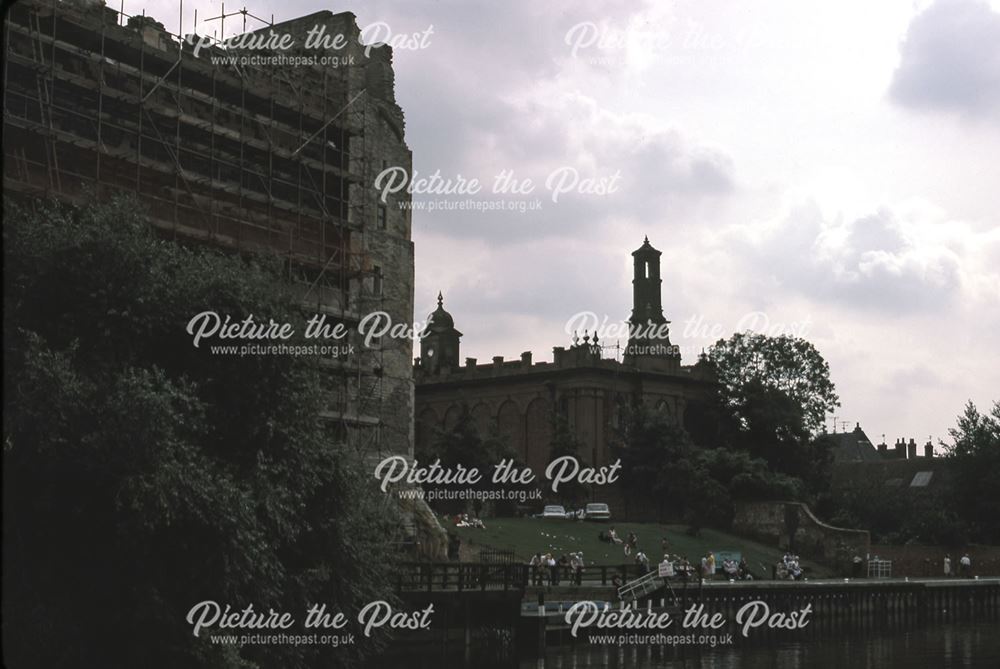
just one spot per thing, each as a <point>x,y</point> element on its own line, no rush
<point>463,446</point>
<point>143,475</point>
<point>975,459</point>
<point>661,464</point>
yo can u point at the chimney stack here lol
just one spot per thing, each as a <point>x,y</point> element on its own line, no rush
<point>928,449</point>
<point>911,449</point>
<point>526,359</point>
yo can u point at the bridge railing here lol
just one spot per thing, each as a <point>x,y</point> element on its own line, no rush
<point>603,574</point>
<point>461,576</point>
<point>509,576</point>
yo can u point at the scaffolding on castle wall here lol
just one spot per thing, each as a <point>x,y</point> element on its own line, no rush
<point>249,159</point>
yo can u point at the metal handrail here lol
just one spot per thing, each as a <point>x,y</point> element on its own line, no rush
<point>647,583</point>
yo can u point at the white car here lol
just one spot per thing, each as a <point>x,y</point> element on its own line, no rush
<point>552,511</point>
<point>597,511</point>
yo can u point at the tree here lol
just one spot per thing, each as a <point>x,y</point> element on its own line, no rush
<point>899,514</point>
<point>975,458</point>
<point>657,460</point>
<point>747,478</point>
<point>462,445</point>
<point>565,443</point>
<point>749,363</point>
<point>773,395</point>
<point>143,475</point>
<point>662,465</point>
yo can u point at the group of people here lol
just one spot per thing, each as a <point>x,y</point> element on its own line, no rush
<point>737,571</point>
<point>545,567</point>
<point>463,520</point>
<point>629,545</point>
<point>732,569</point>
<point>789,568</point>
<point>964,566</point>
<point>682,569</point>
<point>678,566</point>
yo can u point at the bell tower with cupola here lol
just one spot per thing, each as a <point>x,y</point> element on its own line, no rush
<point>646,305</point>
<point>440,343</point>
<point>649,344</point>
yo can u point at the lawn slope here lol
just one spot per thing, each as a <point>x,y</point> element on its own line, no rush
<point>526,536</point>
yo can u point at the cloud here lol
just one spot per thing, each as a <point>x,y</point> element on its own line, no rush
<point>880,261</point>
<point>950,60</point>
<point>538,128</point>
<point>479,102</point>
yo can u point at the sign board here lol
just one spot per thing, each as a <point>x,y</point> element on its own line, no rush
<point>665,569</point>
<point>722,556</point>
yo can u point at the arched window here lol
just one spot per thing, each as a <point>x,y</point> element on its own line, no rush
<point>451,416</point>
<point>483,418</point>
<point>427,424</point>
<point>538,426</point>
<point>511,426</point>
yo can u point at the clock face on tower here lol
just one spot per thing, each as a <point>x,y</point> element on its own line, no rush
<point>430,352</point>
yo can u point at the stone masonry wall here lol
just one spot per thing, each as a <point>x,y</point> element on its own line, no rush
<point>772,522</point>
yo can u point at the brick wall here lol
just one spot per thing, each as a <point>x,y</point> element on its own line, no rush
<point>920,561</point>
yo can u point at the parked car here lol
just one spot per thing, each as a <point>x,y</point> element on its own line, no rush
<point>552,511</point>
<point>597,511</point>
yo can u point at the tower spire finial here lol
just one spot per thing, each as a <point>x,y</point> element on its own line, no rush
<point>645,239</point>
<point>440,299</point>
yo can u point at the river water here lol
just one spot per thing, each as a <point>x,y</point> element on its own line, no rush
<point>941,646</point>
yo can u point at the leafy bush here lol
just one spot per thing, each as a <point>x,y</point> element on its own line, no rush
<point>143,475</point>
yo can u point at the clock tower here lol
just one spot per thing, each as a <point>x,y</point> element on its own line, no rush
<point>440,343</point>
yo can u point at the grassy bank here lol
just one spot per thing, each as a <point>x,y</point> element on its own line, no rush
<point>526,536</point>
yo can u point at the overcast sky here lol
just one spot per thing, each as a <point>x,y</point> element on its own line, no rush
<point>831,167</point>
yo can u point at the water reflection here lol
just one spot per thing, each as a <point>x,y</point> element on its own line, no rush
<point>950,646</point>
<point>940,646</point>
